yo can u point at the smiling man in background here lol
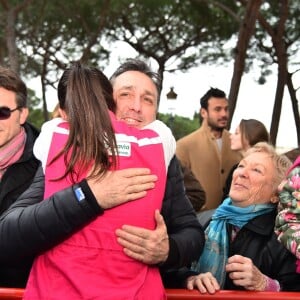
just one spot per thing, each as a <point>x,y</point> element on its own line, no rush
<point>207,150</point>
<point>136,92</point>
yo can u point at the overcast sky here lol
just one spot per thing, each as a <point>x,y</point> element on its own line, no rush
<point>254,101</point>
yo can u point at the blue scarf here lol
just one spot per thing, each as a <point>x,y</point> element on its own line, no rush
<point>215,253</point>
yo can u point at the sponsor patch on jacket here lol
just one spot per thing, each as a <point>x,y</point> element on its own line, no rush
<point>124,149</point>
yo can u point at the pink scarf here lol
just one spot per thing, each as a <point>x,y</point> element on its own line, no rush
<point>12,151</point>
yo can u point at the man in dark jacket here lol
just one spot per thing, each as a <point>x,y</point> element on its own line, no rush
<point>17,163</point>
<point>31,226</point>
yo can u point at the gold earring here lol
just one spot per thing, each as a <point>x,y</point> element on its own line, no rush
<point>274,199</point>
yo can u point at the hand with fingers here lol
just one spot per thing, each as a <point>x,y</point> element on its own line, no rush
<point>204,282</point>
<point>244,273</point>
<point>148,246</point>
<point>118,187</point>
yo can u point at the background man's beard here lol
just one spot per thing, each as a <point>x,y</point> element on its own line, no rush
<point>216,128</point>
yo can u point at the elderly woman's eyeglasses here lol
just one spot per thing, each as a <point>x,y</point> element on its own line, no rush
<point>5,112</point>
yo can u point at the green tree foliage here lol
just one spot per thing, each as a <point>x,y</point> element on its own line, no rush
<point>58,32</point>
<point>176,34</point>
<point>10,10</point>
<point>49,35</point>
<point>180,126</point>
<point>40,37</point>
<point>35,112</point>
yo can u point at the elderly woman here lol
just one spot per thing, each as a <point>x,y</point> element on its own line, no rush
<point>242,250</point>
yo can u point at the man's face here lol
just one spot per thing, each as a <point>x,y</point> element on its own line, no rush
<point>216,114</point>
<point>10,127</point>
<point>136,96</point>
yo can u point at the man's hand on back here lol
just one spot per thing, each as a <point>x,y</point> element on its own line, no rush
<point>117,187</point>
<point>148,246</point>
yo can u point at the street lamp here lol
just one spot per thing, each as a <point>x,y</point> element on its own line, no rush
<point>171,97</point>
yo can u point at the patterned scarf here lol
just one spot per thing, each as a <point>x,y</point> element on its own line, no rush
<point>215,253</point>
<point>12,151</point>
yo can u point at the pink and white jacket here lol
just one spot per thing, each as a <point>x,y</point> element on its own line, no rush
<point>91,264</point>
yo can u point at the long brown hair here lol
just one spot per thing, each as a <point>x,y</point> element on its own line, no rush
<point>253,131</point>
<point>86,94</point>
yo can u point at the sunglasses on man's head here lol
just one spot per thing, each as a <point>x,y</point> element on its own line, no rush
<point>5,112</point>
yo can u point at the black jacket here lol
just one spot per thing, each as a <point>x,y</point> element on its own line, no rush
<point>29,227</point>
<point>256,240</point>
<point>16,179</point>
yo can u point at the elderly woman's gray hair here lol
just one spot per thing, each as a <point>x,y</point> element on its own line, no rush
<point>280,161</point>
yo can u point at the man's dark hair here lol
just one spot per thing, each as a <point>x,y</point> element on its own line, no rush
<point>11,81</point>
<point>133,64</point>
<point>212,92</point>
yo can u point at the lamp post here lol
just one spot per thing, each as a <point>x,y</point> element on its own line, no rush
<point>171,97</point>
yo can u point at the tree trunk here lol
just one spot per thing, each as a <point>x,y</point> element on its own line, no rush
<point>245,32</point>
<point>277,34</point>
<point>294,101</point>
<point>160,71</point>
<point>43,83</point>
<point>11,40</point>
<point>281,81</point>
<point>10,13</point>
